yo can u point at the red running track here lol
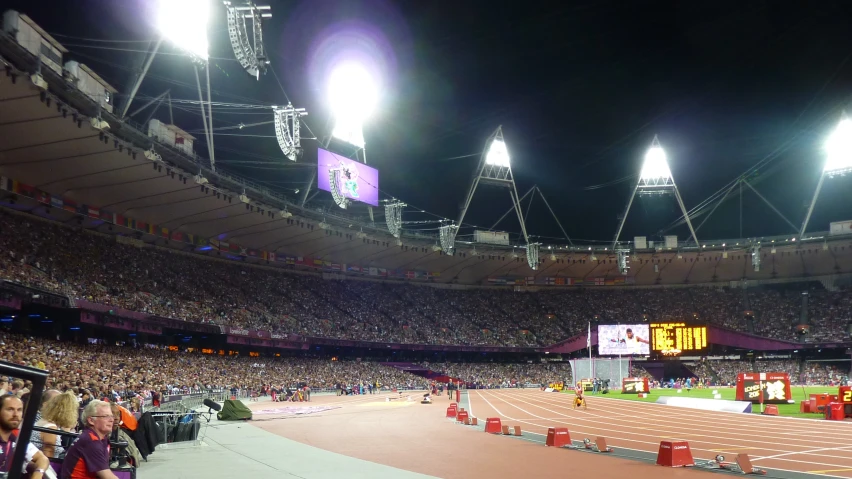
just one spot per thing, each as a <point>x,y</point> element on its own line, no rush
<point>791,444</point>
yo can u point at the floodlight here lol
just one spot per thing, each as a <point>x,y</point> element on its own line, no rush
<point>352,92</point>
<point>184,22</point>
<point>497,155</point>
<point>349,130</point>
<point>353,95</point>
<point>839,148</point>
<point>655,166</point>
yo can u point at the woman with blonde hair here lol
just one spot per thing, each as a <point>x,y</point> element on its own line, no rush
<point>61,412</point>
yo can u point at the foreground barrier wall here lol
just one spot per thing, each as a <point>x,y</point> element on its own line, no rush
<point>705,404</point>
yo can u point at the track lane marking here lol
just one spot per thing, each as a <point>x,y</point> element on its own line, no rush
<point>728,417</point>
<point>637,434</point>
<point>685,423</point>
<point>667,431</point>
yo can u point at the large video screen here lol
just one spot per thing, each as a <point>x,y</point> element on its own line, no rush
<point>356,181</point>
<point>623,339</point>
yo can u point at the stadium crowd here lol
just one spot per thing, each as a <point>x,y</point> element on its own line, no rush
<point>100,269</point>
<point>823,374</point>
<point>724,372</point>
<point>500,375</point>
<point>126,372</point>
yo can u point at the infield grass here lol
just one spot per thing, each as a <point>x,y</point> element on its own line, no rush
<point>791,410</point>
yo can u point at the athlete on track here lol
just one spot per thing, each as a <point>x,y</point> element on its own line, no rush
<point>579,398</point>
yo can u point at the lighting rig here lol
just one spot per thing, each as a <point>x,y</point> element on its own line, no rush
<point>755,257</point>
<point>532,255</point>
<point>447,234</point>
<point>251,57</point>
<point>393,217</point>
<point>287,123</point>
<point>623,257</point>
<point>335,181</point>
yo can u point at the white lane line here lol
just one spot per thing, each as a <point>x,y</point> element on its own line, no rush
<point>686,422</point>
<point>725,444</point>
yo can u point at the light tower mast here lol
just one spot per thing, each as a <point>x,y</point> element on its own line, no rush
<point>837,163</point>
<point>655,178</point>
<point>494,169</point>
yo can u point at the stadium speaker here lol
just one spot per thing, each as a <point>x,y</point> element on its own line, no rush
<point>212,404</point>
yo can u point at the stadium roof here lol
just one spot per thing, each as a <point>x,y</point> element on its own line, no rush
<point>44,148</point>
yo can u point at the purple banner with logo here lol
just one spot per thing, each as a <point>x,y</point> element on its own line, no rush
<point>103,308</point>
<point>105,315</point>
<point>113,322</point>
<point>11,303</point>
<point>726,337</point>
<point>269,343</point>
<point>356,181</point>
<point>251,333</point>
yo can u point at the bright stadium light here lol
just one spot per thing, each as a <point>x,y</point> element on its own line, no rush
<point>184,22</point>
<point>838,149</point>
<point>353,95</point>
<point>497,155</point>
<point>655,167</point>
<point>838,162</point>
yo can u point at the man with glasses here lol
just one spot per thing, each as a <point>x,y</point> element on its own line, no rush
<point>88,458</point>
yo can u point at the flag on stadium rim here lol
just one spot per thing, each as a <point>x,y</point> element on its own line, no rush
<point>589,336</point>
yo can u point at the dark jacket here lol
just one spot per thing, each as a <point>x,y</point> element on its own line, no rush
<point>145,435</point>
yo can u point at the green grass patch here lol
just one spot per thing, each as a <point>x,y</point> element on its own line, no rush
<point>791,410</point>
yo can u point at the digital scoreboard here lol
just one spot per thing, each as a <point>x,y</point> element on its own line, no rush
<point>672,339</point>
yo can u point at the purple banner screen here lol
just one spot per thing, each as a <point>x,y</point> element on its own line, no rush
<point>358,182</point>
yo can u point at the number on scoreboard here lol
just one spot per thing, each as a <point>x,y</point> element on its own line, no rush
<point>846,394</point>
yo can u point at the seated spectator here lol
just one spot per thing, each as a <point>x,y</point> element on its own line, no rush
<point>35,437</point>
<point>11,415</point>
<point>119,434</point>
<point>88,457</point>
<point>60,412</point>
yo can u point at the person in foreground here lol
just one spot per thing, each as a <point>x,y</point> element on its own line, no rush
<point>88,458</point>
<point>11,415</point>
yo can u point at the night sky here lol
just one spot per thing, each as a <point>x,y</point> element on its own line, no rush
<point>580,89</point>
